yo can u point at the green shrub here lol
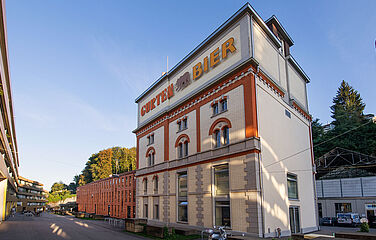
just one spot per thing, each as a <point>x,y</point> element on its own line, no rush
<point>364,227</point>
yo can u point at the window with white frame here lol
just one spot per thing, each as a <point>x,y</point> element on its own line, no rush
<point>182,197</point>
<point>182,124</point>
<point>219,106</point>
<point>222,195</point>
<point>292,186</point>
<point>150,139</point>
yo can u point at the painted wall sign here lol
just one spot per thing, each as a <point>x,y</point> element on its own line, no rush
<point>207,63</point>
<point>167,93</point>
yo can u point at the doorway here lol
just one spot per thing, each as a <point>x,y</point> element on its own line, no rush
<point>294,219</point>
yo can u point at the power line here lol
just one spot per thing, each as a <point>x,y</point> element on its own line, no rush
<point>283,159</point>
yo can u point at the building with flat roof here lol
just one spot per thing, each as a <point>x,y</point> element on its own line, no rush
<point>113,196</point>
<point>224,137</point>
<point>9,162</point>
<point>346,183</point>
<point>31,196</point>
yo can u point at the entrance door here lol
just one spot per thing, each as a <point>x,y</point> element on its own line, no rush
<point>294,219</point>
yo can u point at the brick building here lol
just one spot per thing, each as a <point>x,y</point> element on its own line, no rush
<point>224,137</point>
<point>113,196</point>
<point>31,196</point>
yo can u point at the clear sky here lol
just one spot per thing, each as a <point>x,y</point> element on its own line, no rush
<point>77,66</point>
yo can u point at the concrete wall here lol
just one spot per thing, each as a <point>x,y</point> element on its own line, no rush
<point>3,194</point>
<point>357,205</point>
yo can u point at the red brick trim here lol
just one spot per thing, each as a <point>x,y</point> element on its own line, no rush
<point>301,111</point>
<point>228,123</point>
<point>180,137</point>
<point>149,150</point>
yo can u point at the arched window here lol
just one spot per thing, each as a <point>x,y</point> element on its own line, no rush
<point>226,135</point>
<point>217,138</point>
<point>220,131</point>
<point>181,145</point>
<point>150,155</point>
<point>186,148</point>
<point>180,150</point>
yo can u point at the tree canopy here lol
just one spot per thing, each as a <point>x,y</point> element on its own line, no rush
<point>347,113</point>
<point>106,162</point>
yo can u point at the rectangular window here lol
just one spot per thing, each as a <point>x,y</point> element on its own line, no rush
<point>146,210</point>
<point>292,186</point>
<point>128,211</point>
<point>182,197</point>
<point>145,186</point>
<point>224,105</point>
<point>215,109</point>
<point>185,123</point>
<point>156,211</point>
<point>152,139</point>
<point>221,180</point>
<point>155,185</point>
<point>343,207</point>
<point>222,213</point>
<point>222,195</point>
<point>179,126</point>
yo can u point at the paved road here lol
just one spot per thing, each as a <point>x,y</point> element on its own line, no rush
<point>328,230</point>
<point>50,226</point>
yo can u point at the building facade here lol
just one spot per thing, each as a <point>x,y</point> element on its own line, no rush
<point>346,183</point>
<point>31,196</point>
<point>220,136</point>
<point>9,162</point>
<point>113,196</point>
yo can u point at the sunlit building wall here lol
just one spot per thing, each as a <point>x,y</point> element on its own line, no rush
<point>223,138</point>
<point>8,147</point>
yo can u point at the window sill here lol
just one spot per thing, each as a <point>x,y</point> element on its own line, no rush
<point>150,144</point>
<point>214,115</point>
<point>182,130</point>
<point>181,222</point>
<point>294,199</point>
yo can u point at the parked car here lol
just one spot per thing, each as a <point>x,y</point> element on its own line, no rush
<point>329,221</point>
<point>351,219</point>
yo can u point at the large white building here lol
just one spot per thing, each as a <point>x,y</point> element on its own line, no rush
<point>224,137</point>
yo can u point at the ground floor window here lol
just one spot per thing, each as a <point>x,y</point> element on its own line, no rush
<point>342,207</point>
<point>146,210</point>
<point>319,206</point>
<point>222,213</point>
<point>128,211</point>
<point>183,211</point>
<point>156,211</point>
<point>294,219</point>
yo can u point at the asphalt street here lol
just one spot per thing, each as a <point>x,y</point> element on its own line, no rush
<point>50,226</point>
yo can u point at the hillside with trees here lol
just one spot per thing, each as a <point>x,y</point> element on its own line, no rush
<point>355,128</point>
<point>99,165</point>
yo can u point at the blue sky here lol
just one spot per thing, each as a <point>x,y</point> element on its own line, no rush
<point>77,66</point>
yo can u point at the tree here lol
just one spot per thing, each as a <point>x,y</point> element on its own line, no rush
<point>58,186</point>
<point>347,113</point>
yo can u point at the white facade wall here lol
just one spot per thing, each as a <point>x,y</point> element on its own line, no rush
<point>235,113</point>
<point>158,145</point>
<point>297,87</point>
<point>281,138</point>
<point>174,134</point>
